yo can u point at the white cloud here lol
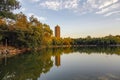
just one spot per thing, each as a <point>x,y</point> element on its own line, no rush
<point>107,3</point>
<point>70,4</point>
<point>60,4</point>
<point>36,16</point>
<point>42,18</point>
<point>34,0</point>
<point>92,4</point>
<point>99,6</point>
<point>104,7</point>
<point>111,13</point>
<point>108,9</point>
<point>54,5</point>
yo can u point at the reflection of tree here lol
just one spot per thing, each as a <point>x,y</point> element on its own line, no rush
<point>57,51</point>
<point>32,64</point>
<point>88,50</point>
<point>68,50</point>
<point>106,50</point>
<point>27,66</point>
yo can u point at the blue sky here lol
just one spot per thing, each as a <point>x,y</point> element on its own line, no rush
<point>77,18</point>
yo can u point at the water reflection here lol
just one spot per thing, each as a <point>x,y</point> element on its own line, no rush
<point>27,66</point>
<point>32,65</point>
<point>57,60</point>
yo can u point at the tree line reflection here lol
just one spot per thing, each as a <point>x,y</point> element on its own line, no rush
<point>32,64</point>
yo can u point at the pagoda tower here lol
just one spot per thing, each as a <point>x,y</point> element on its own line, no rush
<point>57,31</point>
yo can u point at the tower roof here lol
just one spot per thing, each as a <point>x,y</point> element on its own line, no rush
<point>57,25</point>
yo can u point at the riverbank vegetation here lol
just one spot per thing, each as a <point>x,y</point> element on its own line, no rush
<point>30,33</point>
<point>20,31</point>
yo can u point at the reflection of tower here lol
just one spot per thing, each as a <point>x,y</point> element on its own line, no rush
<point>57,60</point>
<point>57,35</point>
<point>57,31</point>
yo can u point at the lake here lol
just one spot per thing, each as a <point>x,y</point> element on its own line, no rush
<point>81,63</point>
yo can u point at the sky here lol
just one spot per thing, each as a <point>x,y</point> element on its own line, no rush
<point>77,18</point>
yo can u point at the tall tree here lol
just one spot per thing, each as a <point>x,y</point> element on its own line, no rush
<point>35,32</point>
<point>6,8</point>
<point>21,22</point>
<point>47,39</point>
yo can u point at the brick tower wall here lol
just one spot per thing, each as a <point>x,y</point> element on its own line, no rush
<point>57,31</point>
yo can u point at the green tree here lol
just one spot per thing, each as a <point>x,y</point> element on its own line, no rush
<point>6,8</point>
<point>3,25</point>
<point>35,32</point>
<point>21,22</point>
<point>57,41</point>
<point>47,33</point>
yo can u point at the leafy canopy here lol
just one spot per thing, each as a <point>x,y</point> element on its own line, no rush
<point>6,8</point>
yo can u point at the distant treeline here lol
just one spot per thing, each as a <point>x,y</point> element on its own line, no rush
<point>103,41</point>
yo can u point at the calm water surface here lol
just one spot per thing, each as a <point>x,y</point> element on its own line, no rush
<point>93,63</point>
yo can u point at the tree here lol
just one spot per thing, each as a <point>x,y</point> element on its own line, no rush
<point>67,41</point>
<point>3,25</point>
<point>21,22</point>
<point>34,34</point>
<point>57,41</point>
<point>47,33</point>
<point>6,8</point>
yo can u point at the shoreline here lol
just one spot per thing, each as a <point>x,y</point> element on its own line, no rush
<point>15,51</point>
<point>10,51</point>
